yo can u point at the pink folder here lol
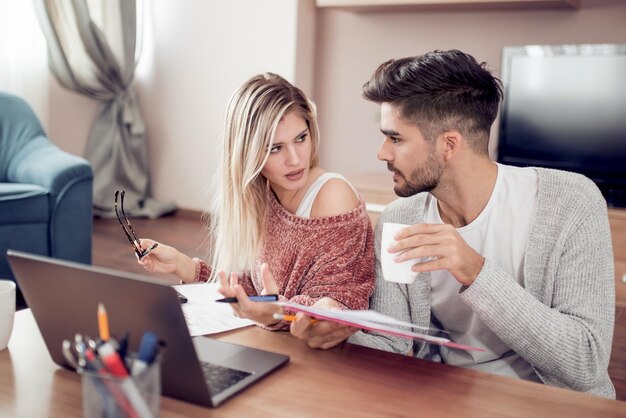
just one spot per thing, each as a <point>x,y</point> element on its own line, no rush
<point>374,321</point>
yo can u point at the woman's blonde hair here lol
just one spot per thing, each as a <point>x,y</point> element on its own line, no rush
<point>238,210</point>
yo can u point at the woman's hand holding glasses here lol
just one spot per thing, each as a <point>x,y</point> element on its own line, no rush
<point>153,256</point>
<point>166,259</point>
<point>135,242</point>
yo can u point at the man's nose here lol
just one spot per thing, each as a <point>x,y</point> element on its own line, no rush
<point>383,151</point>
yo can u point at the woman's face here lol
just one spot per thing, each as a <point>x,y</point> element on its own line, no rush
<point>287,167</point>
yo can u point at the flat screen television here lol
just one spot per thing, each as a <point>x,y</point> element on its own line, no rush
<point>564,107</point>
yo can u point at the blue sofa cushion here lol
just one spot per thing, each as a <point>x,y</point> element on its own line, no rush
<point>18,125</point>
<point>22,203</point>
<point>45,192</point>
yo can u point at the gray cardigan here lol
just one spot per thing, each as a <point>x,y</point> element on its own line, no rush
<point>561,321</point>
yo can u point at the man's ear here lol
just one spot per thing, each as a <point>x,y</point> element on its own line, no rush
<point>451,142</point>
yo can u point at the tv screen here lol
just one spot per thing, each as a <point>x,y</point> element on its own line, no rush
<point>564,107</point>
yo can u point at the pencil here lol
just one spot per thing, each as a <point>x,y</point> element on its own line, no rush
<point>291,318</point>
<point>103,323</point>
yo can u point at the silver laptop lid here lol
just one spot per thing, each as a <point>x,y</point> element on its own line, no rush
<point>64,296</point>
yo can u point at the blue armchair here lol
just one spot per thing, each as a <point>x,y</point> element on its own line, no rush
<point>45,193</point>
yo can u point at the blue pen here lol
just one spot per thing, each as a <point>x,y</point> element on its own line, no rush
<point>147,353</point>
<point>262,298</point>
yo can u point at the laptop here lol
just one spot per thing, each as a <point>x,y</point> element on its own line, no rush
<point>64,297</point>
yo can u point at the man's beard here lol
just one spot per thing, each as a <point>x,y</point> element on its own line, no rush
<point>422,179</point>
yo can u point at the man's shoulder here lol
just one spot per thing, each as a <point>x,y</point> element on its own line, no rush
<point>568,193</point>
<point>563,177</point>
<point>567,184</point>
<point>406,210</point>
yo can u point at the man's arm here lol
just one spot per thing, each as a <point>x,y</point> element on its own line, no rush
<point>389,298</point>
<point>562,323</point>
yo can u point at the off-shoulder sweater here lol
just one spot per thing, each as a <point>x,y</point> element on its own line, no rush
<point>314,258</point>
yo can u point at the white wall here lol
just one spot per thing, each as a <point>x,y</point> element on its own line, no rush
<point>350,47</point>
<point>198,51</point>
<point>23,57</point>
<point>195,54</point>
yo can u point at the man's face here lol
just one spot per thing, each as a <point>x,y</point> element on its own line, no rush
<point>411,158</point>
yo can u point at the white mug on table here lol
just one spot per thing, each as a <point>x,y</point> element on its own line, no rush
<point>7,311</point>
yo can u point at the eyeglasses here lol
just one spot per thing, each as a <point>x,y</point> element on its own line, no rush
<point>128,229</point>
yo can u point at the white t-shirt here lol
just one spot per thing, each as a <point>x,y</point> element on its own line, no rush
<point>500,234</point>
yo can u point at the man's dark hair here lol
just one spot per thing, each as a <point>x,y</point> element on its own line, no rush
<point>440,91</point>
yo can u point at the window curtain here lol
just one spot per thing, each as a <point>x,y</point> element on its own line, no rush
<point>92,50</point>
<point>23,65</point>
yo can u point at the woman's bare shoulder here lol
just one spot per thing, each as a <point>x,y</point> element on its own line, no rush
<point>335,197</point>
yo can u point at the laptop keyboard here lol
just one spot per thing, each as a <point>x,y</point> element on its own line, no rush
<point>219,378</point>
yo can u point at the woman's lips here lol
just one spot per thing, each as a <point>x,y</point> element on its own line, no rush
<point>295,175</point>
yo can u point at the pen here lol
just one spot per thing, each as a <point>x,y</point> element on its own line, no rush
<point>94,364</point>
<point>123,348</point>
<point>103,323</point>
<point>147,353</point>
<point>291,318</point>
<point>113,363</point>
<point>262,298</point>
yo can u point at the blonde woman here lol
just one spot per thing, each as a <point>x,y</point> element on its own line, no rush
<point>279,223</point>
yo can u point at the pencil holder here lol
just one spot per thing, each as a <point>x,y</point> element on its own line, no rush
<point>108,396</point>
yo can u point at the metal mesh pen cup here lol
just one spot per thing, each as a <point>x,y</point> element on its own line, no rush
<point>137,396</point>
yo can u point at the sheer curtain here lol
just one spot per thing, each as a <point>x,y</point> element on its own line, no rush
<point>92,50</point>
<point>23,62</point>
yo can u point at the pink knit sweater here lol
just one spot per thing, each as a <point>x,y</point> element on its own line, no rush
<point>315,258</point>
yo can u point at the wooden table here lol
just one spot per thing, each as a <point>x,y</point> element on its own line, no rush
<point>346,381</point>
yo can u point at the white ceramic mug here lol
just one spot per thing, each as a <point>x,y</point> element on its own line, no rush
<point>7,311</point>
<point>392,271</point>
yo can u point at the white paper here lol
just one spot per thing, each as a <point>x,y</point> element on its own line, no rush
<point>383,323</point>
<point>204,315</point>
<point>369,319</point>
<point>373,316</point>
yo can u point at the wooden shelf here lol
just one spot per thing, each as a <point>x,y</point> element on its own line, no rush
<point>363,6</point>
<point>617,219</point>
<point>377,191</point>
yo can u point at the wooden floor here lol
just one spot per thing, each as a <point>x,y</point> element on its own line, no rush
<point>182,230</point>
<point>185,231</point>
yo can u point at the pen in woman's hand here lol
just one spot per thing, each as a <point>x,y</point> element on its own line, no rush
<point>291,318</point>
<point>262,298</point>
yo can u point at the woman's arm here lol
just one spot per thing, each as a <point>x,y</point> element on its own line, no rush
<point>335,197</point>
<point>166,259</point>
